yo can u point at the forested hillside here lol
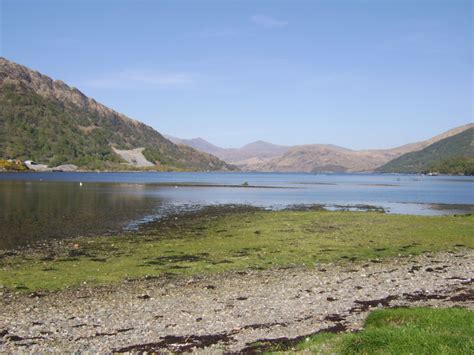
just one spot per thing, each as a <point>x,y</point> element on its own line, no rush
<point>52,123</point>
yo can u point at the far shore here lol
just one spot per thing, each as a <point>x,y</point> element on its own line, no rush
<point>228,171</point>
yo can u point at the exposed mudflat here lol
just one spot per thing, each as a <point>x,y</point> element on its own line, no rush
<point>229,312</point>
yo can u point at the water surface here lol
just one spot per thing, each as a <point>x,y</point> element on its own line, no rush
<point>37,206</point>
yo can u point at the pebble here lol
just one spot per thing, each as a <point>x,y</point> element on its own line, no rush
<point>289,303</point>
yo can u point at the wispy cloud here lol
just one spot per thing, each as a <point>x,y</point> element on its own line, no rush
<point>268,21</point>
<point>143,79</point>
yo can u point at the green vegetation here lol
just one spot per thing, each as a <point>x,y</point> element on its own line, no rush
<point>400,331</point>
<point>53,124</point>
<point>12,165</point>
<point>453,155</point>
<point>454,166</point>
<point>208,243</point>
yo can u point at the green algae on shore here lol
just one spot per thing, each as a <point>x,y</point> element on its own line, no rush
<point>202,243</point>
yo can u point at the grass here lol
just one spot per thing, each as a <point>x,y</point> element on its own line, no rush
<point>235,241</point>
<point>401,331</point>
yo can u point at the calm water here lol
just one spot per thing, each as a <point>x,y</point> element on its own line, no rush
<point>37,206</point>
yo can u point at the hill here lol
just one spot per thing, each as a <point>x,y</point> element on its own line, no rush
<point>249,157</point>
<point>326,158</point>
<point>264,156</point>
<point>197,143</point>
<point>47,121</point>
<point>330,158</point>
<point>253,155</point>
<point>454,154</point>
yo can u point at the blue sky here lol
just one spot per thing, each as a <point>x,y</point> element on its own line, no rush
<point>360,73</point>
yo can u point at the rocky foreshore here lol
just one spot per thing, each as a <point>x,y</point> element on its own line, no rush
<point>230,312</point>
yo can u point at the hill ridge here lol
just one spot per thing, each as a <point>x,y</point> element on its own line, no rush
<point>51,122</point>
<point>318,157</point>
<point>437,156</point>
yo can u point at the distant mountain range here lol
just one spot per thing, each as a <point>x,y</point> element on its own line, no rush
<point>454,154</point>
<point>49,122</point>
<point>263,156</point>
<point>249,157</point>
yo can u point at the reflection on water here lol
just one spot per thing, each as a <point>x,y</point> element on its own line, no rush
<point>31,211</point>
<point>37,206</point>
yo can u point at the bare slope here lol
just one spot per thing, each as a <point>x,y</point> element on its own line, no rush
<point>329,158</point>
<point>249,157</point>
<point>264,156</point>
<point>197,143</point>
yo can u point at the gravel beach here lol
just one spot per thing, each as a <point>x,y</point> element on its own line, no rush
<point>229,312</point>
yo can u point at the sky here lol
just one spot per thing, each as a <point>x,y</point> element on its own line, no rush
<point>361,74</point>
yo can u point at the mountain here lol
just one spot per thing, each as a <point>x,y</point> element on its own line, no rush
<point>420,145</point>
<point>264,156</point>
<point>252,155</point>
<point>49,122</point>
<point>454,154</point>
<point>330,158</point>
<point>249,157</point>
<point>196,143</point>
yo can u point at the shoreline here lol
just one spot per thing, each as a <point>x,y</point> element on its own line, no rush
<point>234,279</point>
<point>212,211</point>
<point>231,311</point>
<point>232,172</point>
<point>218,239</point>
